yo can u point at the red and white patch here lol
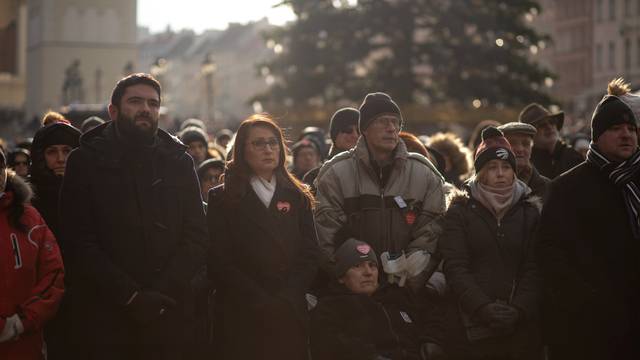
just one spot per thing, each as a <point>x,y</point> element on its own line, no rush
<point>363,249</point>
<point>410,217</point>
<point>283,206</point>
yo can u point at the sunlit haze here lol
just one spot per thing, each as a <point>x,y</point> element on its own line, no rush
<point>201,15</point>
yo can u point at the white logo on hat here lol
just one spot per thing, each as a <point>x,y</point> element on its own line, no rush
<point>502,154</point>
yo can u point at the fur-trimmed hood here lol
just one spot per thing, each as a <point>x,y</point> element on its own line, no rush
<point>22,192</point>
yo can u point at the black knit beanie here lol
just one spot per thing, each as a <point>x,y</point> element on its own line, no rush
<point>342,120</point>
<point>191,134</point>
<point>493,146</point>
<point>609,112</point>
<point>374,105</point>
<point>351,253</point>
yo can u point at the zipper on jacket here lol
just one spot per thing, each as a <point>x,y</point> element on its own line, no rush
<point>385,244</point>
<point>386,314</point>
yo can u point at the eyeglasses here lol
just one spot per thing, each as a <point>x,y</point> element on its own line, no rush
<point>261,144</point>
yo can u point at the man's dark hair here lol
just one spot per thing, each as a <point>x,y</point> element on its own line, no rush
<point>131,80</point>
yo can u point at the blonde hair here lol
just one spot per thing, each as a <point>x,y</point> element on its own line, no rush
<point>618,87</point>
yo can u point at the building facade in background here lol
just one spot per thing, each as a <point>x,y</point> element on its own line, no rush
<point>77,50</point>
<point>594,41</point>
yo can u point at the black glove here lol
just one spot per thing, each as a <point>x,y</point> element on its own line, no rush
<point>147,306</point>
<point>497,313</point>
<point>431,351</point>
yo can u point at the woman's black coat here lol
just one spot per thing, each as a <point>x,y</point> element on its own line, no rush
<point>262,261</point>
<point>483,261</point>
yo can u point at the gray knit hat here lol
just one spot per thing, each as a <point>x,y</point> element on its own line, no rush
<point>351,253</point>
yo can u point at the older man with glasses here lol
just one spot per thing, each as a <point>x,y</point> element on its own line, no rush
<point>380,192</point>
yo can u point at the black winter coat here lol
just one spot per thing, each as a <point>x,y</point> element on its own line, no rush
<point>485,261</point>
<point>134,221</point>
<point>390,323</point>
<point>552,165</point>
<point>263,262</point>
<point>589,261</point>
<point>539,184</point>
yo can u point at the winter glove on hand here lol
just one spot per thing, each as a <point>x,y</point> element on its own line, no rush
<point>494,313</point>
<point>431,351</point>
<point>506,319</point>
<point>13,328</point>
<point>147,306</point>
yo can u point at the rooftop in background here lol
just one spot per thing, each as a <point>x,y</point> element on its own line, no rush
<point>201,15</point>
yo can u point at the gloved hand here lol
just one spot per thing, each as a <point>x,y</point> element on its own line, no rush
<point>431,351</point>
<point>506,320</point>
<point>13,328</point>
<point>147,306</point>
<point>496,313</point>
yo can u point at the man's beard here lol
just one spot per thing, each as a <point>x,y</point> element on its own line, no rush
<point>130,132</point>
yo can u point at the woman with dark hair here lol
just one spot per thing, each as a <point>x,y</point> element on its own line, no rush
<point>30,268</point>
<point>19,160</point>
<point>263,249</point>
<point>489,262</point>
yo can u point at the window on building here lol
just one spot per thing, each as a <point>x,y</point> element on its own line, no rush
<point>627,54</point>
<point>612,10</point>
<point>599,10</point>
<point>598,56</point>
<point>638,52</point>
<point>612,55</point>
<point>627,8</point>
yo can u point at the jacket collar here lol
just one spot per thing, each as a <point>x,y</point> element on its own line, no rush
<point>362,153</point>
<point>104,142</point>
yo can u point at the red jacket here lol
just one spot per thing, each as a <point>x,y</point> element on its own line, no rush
<point>31,273</point>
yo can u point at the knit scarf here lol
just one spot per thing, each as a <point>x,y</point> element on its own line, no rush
<point>498,200</point>
<point>622,175</point>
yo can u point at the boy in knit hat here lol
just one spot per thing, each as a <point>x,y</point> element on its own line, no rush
<point>589,237</point>
<point>363,320</point>
<point>380,191</point>
<point>343,129</point>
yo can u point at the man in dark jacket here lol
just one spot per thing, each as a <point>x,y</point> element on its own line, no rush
<point>361,320</point>
<point>520,136</point>
<point>132,213</point>
<point>589,239</point>
<point>551,156</point>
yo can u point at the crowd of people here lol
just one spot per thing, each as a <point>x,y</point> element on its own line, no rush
<point>120,240</point>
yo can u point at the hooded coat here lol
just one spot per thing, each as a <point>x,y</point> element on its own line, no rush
<point>32,273</point>
<point>134,220</point>
<point>485,261</point>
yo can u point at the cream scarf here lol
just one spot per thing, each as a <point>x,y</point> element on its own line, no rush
<point>263,188</point>
<point>498,200</point>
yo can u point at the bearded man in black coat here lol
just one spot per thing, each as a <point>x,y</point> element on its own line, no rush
<point>589,240</point>
<point>132,214</point>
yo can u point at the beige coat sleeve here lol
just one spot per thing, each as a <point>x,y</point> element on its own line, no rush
<point>428,224</point>
<point>330,216</point>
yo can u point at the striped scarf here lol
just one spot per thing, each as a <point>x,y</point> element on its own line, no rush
<point>622,175</point>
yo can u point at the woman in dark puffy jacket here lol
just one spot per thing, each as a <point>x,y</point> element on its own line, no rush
<point>489,261</point>
<point>361,320</point>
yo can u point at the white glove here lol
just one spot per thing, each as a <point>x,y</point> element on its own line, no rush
<point>417,262</point>
<point>13,327</point>
<point>395,269</point>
